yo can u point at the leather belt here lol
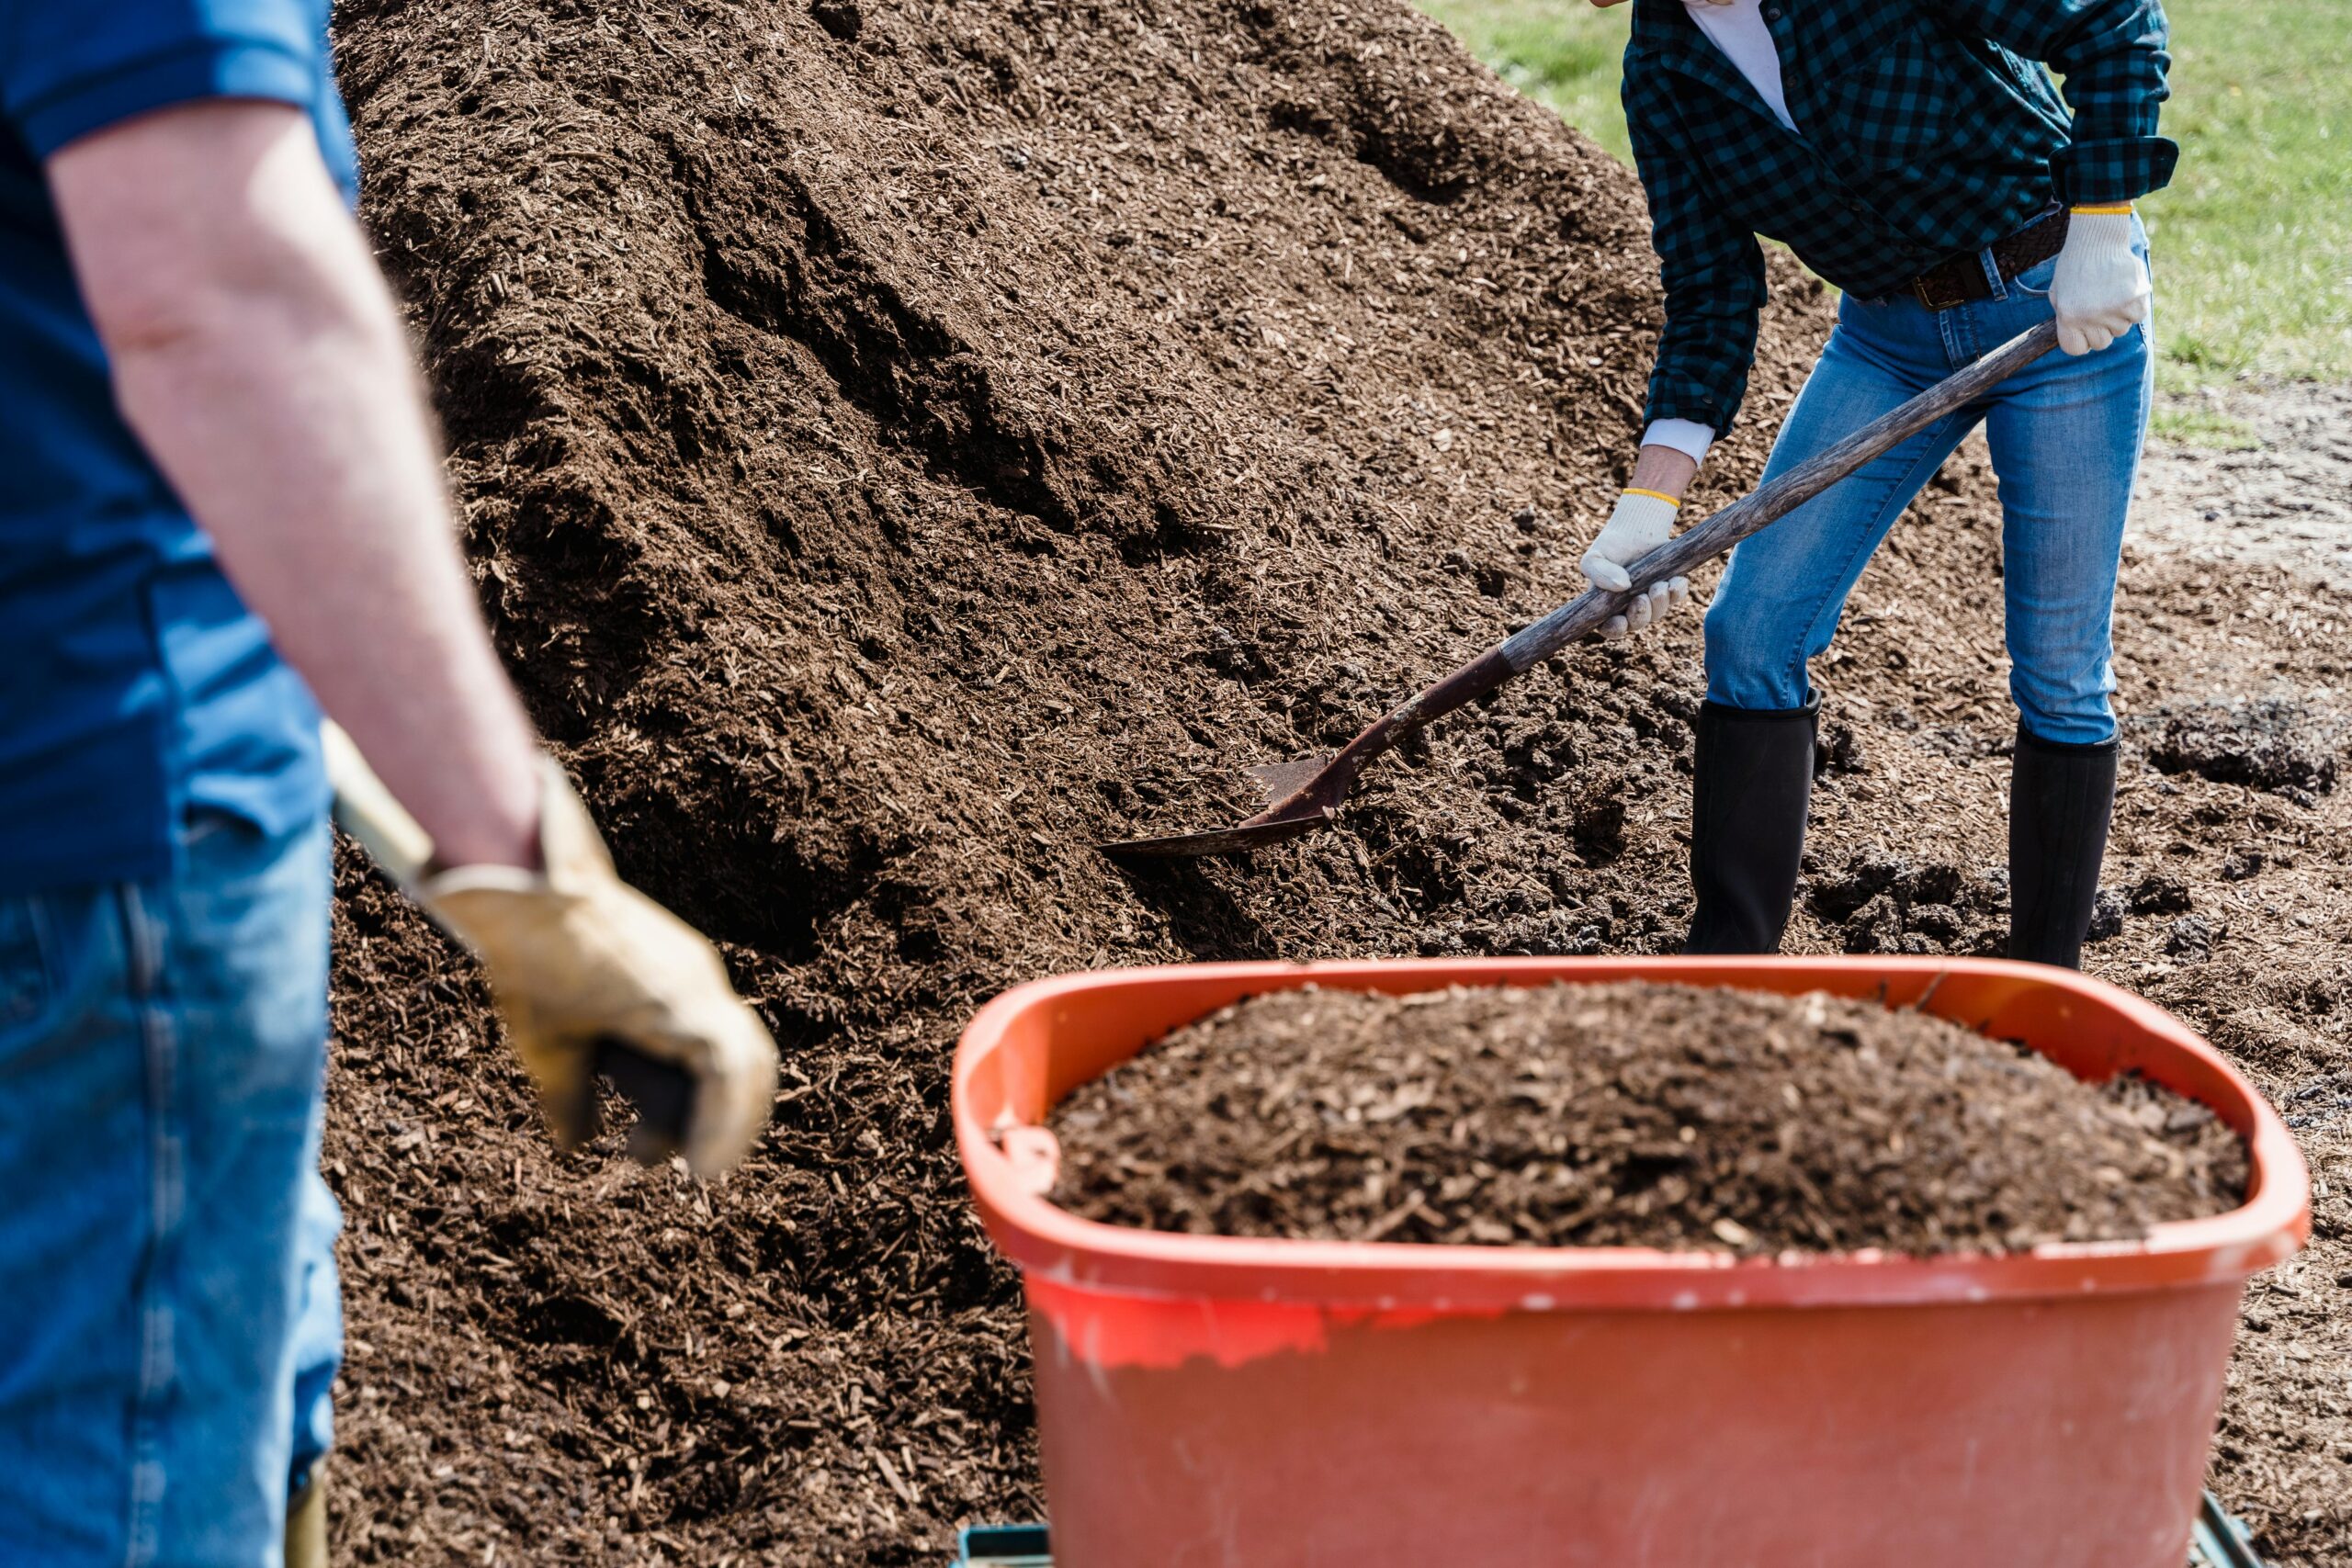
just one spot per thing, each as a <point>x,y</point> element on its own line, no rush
<point>1961,281</point>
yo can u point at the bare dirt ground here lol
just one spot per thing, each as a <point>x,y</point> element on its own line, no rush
<point>2238,580</point>
<point>2286,501</point>
<point>904,443</point>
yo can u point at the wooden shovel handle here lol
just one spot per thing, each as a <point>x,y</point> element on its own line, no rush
<point>1781,496</point>
<point>1322,792</point>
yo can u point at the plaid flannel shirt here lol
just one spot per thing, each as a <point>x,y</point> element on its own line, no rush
<point>1929,131</point>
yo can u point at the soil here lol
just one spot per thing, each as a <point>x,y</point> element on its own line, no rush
<point>2270,745</point>
<point>1628,1115</point>
<point>900,445</point>
<point>2275,496</point>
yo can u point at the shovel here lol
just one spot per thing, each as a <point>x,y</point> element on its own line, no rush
<point>1306,794</point>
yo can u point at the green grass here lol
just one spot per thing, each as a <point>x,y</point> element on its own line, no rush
<point>2254,236</point>
<point>2180,421</point>
<point>1562,53</point>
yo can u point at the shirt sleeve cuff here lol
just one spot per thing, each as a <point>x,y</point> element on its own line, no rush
<point>2090,174</point>
<point>210,68</point>
<point>1687,436</point>
<point>1711,411</point>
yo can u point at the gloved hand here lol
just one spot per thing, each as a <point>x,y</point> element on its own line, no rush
<point>1642,522</point>
<point>577,957</point>
<point>2100,287</point>
<point>578,960</point>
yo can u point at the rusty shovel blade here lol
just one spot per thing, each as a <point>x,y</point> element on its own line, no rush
<point>1295,811</point>
<point>1239,839</point>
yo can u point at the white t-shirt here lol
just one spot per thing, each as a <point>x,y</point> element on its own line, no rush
<point>1737,28</point>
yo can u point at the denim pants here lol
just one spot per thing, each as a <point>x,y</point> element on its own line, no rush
<point>169,1322</point>
<point>2065,435</point>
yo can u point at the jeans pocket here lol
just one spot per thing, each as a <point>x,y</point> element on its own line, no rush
<point>202,823</point>
<point>2035,280</point>
<point>25,983</point>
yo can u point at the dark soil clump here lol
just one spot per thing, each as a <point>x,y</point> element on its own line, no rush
<point>1886,903</point>
<point>2268,745</point>
<point>1629,1115</point>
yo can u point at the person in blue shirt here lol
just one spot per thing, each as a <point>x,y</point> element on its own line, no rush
<point>221,508</point>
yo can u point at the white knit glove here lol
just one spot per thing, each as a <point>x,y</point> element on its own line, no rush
<point>1642,521</point>
<point>2100,287</point>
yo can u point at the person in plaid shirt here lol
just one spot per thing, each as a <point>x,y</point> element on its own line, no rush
<point>1916,154</point>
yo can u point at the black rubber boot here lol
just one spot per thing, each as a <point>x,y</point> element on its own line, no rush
<point>2060,800</point>
<point>1752,781</point>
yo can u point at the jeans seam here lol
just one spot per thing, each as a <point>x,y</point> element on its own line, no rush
<point>143,940</point>
<point>2100,689</point>
<point>1958,330</point>
<point>1862,546</point>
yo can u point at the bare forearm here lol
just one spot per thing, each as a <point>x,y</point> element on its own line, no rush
<point>258,356</point>
<point>295,433</point>
<point>1664,471</point>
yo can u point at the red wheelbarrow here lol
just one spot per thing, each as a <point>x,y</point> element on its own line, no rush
<point>1219,1403</point>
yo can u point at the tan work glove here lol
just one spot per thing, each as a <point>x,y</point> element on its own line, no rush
<point>590,975</point>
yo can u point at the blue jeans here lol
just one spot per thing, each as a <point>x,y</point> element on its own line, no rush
<point>2065,435</point>
<point>169,1324</point>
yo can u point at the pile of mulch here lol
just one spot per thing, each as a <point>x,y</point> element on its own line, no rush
<point>1628,1115</point>
<point>899,446</point>
<point>902,444</point>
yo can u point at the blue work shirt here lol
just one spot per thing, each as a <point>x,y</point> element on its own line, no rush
<point>134,683</point>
